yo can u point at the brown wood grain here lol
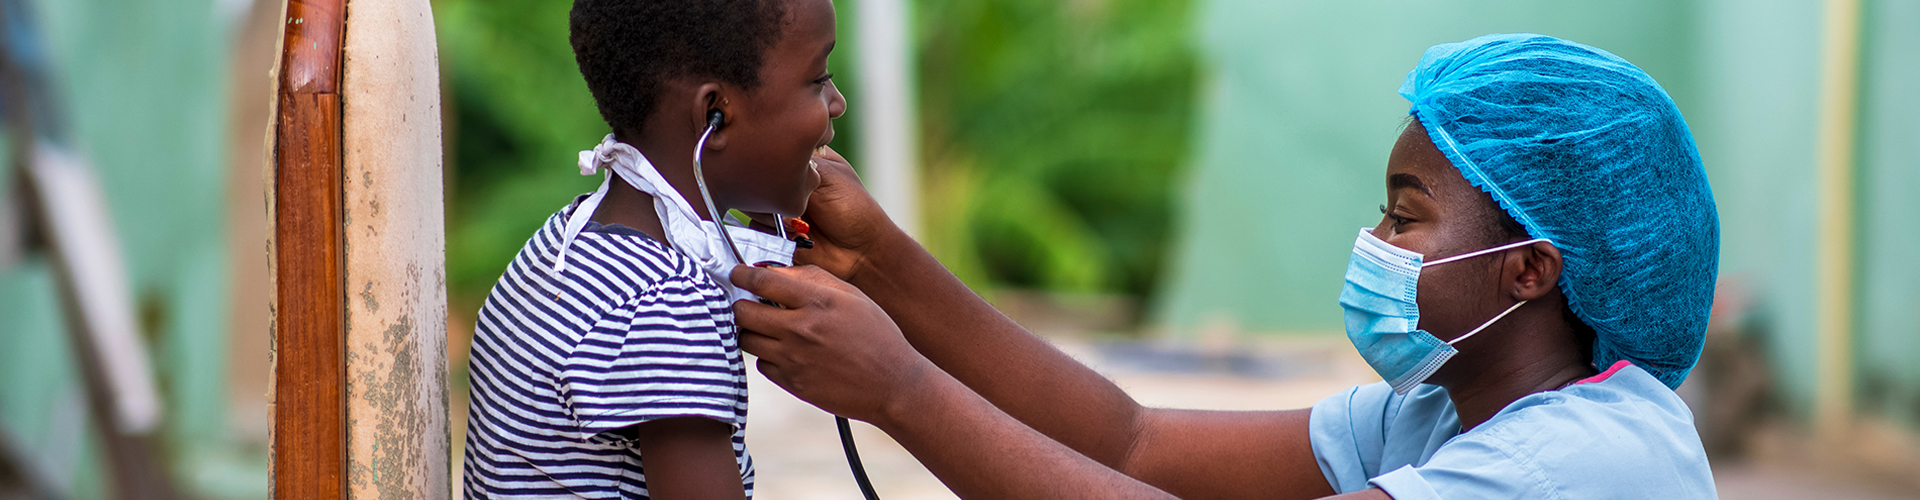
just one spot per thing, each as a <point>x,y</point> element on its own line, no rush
<point>309,405</point>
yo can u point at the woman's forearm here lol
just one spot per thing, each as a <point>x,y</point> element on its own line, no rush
<point>980,452</point>
<point>1020,373</point>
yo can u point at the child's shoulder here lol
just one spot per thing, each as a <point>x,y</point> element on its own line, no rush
<point>627,250</point>
<point>616,258</point>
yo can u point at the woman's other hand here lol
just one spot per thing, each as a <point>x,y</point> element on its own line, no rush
<point>830,345</point>
<point>847,224</point>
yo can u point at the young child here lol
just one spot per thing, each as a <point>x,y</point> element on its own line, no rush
<point>605,362</point>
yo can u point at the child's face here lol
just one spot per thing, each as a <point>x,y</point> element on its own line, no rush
<point>773,130</point>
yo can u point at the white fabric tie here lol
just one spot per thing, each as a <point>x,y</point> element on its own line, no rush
<point>697,239</point>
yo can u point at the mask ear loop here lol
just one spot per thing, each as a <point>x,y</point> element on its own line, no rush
<point>1469,255</point>
<point>1490,322</point>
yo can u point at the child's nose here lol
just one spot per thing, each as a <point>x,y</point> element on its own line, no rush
<point>836,103</point>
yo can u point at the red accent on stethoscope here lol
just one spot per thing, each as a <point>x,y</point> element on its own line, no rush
<point>798,228</point>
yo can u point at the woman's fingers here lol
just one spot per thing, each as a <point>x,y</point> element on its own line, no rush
<point>792,287</point>
<point>847,222</point>
<point>755,342</point>
<point>829,344</point>
<point>772,371</point>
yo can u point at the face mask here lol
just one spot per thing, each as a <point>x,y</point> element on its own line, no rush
<point>699,240</point>
<point>1383,319</point>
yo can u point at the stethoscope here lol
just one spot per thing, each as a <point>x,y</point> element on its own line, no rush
<point>714,118</point>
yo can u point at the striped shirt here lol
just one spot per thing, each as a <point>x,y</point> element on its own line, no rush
<point>633,331</point>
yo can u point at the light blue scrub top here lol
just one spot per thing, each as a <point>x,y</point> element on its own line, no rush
<point>1620,434</point>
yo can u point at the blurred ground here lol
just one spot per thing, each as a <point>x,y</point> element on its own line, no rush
<point>1780,482</point>
<point>798,454</point>
<point>797,450</point>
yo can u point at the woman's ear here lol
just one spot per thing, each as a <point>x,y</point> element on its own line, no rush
<point>1538,270</point>
<point>708,98</point>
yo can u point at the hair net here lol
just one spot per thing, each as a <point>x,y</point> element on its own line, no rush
<point>1583,148</point>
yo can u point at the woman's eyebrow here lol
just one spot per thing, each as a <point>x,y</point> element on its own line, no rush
<point>1397,181</point>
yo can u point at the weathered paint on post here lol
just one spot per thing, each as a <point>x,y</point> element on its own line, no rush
<point>395,272</point>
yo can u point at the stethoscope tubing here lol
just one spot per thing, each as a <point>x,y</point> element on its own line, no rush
<point>846,428</point>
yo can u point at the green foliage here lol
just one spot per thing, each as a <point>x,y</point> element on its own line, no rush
<point>519,113</point>
<point>1052,133</point>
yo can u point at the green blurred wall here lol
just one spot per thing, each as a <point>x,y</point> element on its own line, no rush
<point>1296,124</point>
<point>1889,314</point>
<point>142,89</point>
<point>1756,134</point>
<point>1301,111</point>
<point>1755,121</point>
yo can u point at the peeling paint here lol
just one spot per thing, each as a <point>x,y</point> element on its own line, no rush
<point>392,391</point>
<point>368,300</point>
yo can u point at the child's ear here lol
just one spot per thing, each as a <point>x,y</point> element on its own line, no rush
<point>708,98</point>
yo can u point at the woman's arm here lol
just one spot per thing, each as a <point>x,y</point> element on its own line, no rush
<point>1191,453</point>
<point>981,452</point>
<point>973,447</point>
<point>945,321</point>
<point>838,350</point>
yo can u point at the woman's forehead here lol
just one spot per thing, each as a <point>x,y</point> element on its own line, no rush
<point>1417,164</point>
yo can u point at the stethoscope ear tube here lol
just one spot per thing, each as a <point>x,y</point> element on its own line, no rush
<point>846,428</point>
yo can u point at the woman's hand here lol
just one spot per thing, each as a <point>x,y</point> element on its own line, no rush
<point>830,346</point>
<point>848,226</point>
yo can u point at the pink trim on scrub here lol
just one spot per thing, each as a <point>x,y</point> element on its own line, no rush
<point>1602,377</point>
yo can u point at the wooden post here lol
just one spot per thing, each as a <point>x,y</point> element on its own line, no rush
<point>888,136</point>
<point>1834,244</point>
<point>308,404</point>
<point>359,393</point>
<point>395,264</point>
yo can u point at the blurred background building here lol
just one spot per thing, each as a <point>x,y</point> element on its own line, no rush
<point>1168,186</point>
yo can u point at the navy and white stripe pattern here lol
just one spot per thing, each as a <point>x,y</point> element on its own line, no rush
<point>632,331</point>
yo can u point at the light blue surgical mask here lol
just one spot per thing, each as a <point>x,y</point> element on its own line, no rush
<point>1382,318</point>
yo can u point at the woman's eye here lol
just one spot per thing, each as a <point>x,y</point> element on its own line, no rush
<point>1397,220</point>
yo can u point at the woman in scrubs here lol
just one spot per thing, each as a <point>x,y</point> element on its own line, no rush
<point>1537,285</point>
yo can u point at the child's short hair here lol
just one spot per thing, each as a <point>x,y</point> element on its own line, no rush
<point>627,49</point>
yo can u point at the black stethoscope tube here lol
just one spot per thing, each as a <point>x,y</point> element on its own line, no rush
<point>853,458</point>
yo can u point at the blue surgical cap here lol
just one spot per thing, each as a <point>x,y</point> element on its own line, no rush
<point>1583,148</point>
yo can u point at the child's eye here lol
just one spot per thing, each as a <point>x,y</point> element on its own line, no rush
<point>823,80</point>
